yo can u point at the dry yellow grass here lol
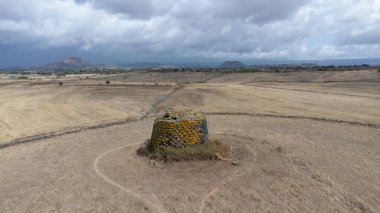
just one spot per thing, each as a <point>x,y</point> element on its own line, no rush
<point>289,161</point>
<point>278,101</point>
<point>27,110</point>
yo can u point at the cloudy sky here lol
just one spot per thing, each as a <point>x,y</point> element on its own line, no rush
<point>121,31</point>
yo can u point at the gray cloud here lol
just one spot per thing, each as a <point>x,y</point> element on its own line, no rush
<point>371,36</point>
<point>255,11</point>
<point>198,29</point>
<point>134,9</point>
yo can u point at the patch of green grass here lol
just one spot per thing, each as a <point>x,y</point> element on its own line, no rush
<point>207,151</point>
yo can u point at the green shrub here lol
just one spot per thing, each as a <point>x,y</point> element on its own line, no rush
<point>60,83</point>
<point>108,82</point>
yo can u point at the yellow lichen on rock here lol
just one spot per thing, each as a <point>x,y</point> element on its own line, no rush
<point>179,127</point>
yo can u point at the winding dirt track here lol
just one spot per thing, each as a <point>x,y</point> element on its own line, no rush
<point>302,167</point>
<point>290,163</point>
<point>236,174</point>
<point>157,207</point>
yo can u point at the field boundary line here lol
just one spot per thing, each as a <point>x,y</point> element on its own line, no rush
<point>353,123</point>
<point>313,91</point>
<point>65,131</point>
<point>77,129</point>
<point>71,130</point>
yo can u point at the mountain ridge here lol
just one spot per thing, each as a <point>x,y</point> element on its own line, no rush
<point>232,65</point>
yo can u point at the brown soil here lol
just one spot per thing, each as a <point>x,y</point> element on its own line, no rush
<point>302,147</point>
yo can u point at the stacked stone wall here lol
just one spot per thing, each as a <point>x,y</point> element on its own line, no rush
<point>179,128</point>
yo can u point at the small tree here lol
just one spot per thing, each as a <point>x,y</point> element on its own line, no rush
<point>60,83</point>
<point>108,82</point>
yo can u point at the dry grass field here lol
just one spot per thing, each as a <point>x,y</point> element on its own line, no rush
<point>307,142</point>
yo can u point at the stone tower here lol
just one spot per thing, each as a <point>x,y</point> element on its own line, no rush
<point>179,127</point>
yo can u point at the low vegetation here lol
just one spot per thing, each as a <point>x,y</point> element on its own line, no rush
<point>312,67</point>
<point>211,150</point>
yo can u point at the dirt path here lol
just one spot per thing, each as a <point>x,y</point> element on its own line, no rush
<point>285,160</point>
<point>242,171</point>
<point>289,162</point>
<point>69,159</point>
<point>155,206</point>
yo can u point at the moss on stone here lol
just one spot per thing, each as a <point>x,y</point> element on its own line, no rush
<point>178,128</point>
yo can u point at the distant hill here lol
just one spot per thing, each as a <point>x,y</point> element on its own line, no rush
<point>150,65</point>
<point>75,61</point>
<point>13,69</point>
<point>76,64</point>
<point>231,65</point>
<point>72,63</point>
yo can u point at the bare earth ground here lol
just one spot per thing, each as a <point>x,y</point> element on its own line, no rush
<point>33,109</point>
<point>306,144</point>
